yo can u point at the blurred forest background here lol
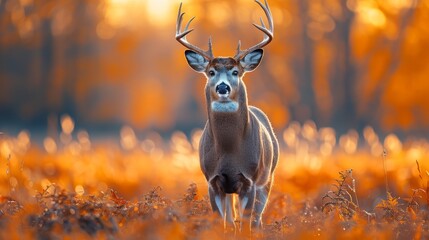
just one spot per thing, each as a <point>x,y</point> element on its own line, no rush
<point>108,63</point>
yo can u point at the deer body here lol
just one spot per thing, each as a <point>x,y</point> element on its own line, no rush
<point>238,149</point>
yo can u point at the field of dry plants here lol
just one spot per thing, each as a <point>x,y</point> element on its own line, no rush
<point>326,187</point>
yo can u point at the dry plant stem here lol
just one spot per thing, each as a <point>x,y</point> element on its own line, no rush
<point>341,199</point>
<point>420,174</point>
<point>8,170</point>
<point>353,188</point>
<point>413,200</point>
<point>341,185</point>
<point>9,174</point>
<point>422,185</point>
<point>427,190</point>
<point>385,171</point>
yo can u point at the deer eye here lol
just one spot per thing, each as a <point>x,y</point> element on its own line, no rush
<point>235,73</point>
<point>211,73</point>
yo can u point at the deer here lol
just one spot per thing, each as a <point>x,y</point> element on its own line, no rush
<point>238,149</point>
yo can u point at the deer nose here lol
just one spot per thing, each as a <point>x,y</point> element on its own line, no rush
<point>222,88</point>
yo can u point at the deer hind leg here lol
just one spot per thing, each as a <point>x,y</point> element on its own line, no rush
<point>261,198</point>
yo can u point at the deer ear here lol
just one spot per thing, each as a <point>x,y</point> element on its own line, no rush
<point>196,61</point>
<point>251,60</point>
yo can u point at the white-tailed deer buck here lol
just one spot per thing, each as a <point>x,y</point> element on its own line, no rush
<point>238,148</point>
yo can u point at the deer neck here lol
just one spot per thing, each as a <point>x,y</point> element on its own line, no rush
<point>227,128</point>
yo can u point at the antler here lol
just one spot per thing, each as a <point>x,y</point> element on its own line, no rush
<point>181,36</point>
<point>269,33</point>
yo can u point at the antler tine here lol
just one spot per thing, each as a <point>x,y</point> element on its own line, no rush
<point>262,22</point>
<point>267,11</point>
<point>239,46</point>
<point>181,36</point>
<point>269,32</point>
<point>187,26</point>
<point>210,47</point>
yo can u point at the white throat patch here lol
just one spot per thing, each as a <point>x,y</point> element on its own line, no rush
<point>224,106</point>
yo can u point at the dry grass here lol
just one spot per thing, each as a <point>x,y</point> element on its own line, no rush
<point>341,199</point>
<point>154,188</point>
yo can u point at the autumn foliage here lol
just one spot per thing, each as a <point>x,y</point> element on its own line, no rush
<point>153,187</point>
<point>345,64</point>
<point>100,118</point>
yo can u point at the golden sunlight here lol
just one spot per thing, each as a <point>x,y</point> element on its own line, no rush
<point>160,11</point>
<point>399,4</point>
<point>368,12</point>
<point>124,13</point>
<point>373,16</point>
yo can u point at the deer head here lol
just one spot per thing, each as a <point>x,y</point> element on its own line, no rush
<point>224,74</point>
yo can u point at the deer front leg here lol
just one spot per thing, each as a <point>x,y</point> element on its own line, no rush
<point>246,204</point>
<point>217,201</point>
<point>222,204</point>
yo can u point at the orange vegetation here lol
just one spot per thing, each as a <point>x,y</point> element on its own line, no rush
<point>75,186</point>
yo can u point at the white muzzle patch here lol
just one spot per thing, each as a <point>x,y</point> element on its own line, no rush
<point>230,106</point>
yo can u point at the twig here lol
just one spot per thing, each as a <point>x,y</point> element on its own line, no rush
<point>385,171</point>
<point>341,198</point>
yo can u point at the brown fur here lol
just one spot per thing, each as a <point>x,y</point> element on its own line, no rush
<point>238,150</point>
<point>225,63</point>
